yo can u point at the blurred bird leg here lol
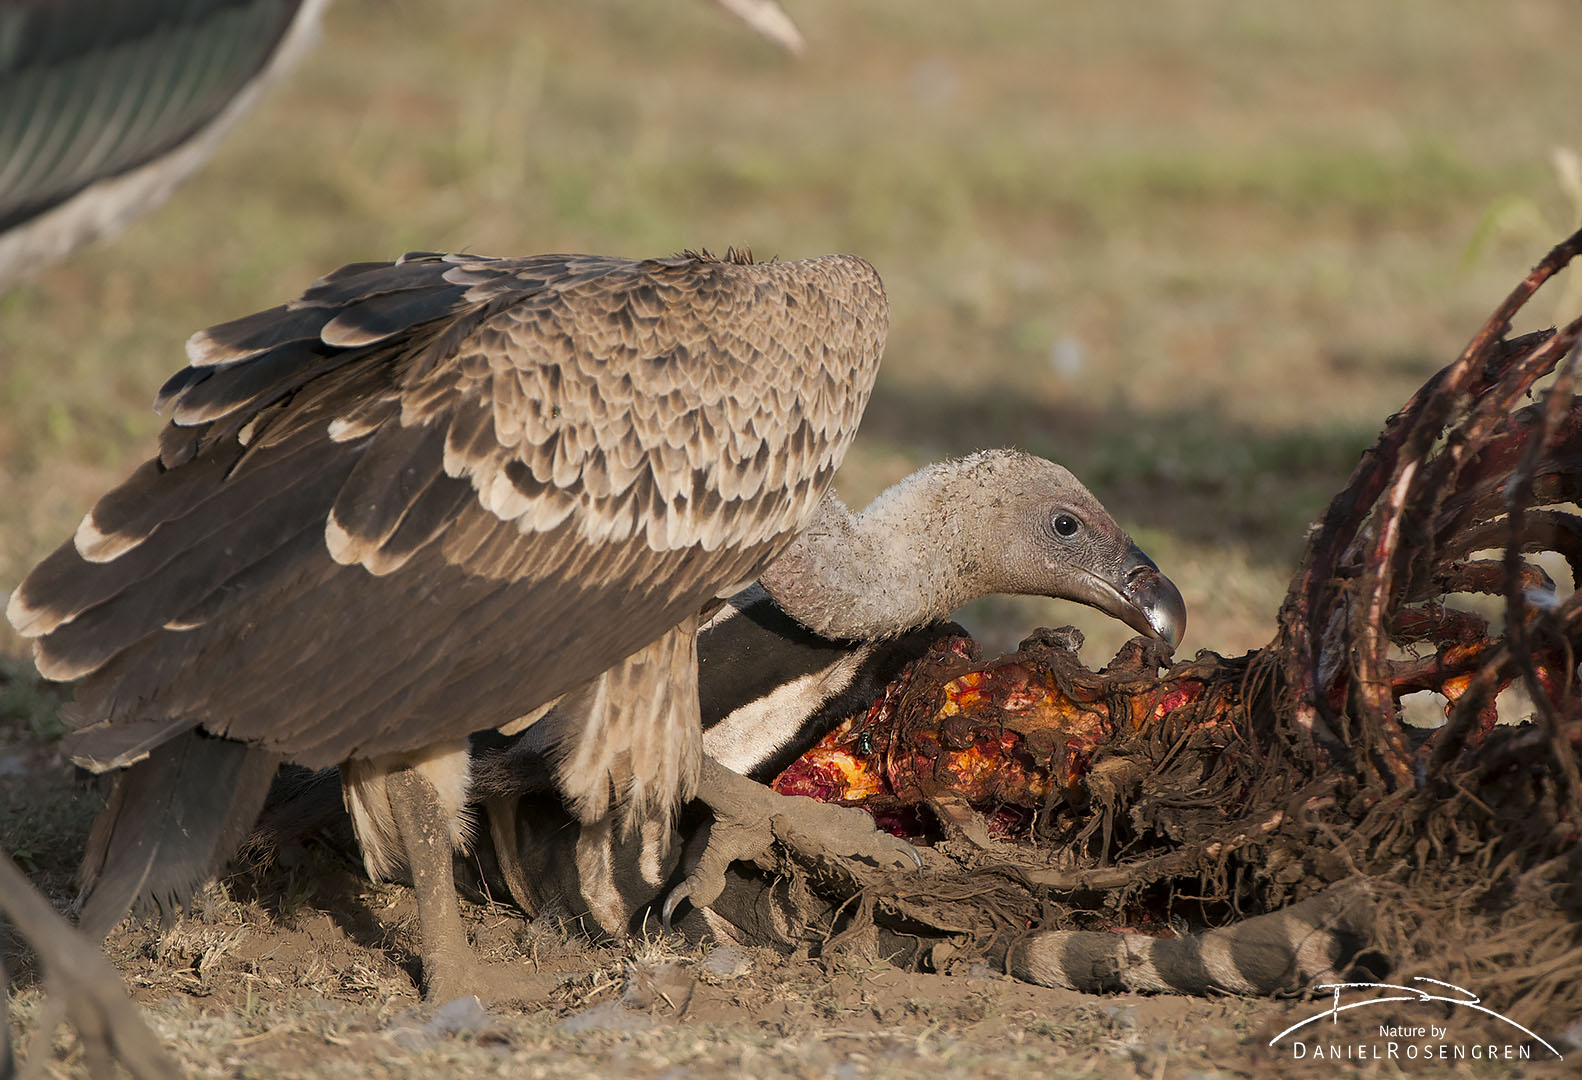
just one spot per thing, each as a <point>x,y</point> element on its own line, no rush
<point>134,159</point>
<point>82,985</point>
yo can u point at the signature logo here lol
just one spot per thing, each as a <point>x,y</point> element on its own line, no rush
<point>1406,1041</point>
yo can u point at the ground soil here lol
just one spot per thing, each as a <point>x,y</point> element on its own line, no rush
<point>307,969</point>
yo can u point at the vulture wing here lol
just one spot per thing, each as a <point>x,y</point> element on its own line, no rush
<point>428,496</point>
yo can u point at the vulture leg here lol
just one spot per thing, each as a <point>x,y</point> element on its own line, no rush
<point>749,819</point>
<point>450,967</point>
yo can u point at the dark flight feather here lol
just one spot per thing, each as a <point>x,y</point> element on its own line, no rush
<point>217,530</point>
<point>386,314</point>
<point>244,338</point>
<point>248,384</point>
<point>425,518</point>
<point>201,795</point>
<point>149,596</point>
<point>397,467</point>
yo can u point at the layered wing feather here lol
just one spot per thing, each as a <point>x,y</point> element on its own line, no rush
<point>428,496</point>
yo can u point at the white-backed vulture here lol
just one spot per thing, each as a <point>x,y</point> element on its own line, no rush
<point>428,498</point>
<point>441,495</point>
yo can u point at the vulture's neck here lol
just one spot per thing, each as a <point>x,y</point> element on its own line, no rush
<point>906,561</point>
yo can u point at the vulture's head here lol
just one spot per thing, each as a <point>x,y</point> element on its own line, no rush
<point>1048,536</point>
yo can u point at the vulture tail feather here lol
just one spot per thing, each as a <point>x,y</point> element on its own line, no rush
<point>172,821</point>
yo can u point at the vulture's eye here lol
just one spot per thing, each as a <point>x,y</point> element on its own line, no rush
<point>1066,525</point>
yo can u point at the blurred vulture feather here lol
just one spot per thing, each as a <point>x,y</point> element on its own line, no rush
<point>769,19</point>
<point>108,106</point>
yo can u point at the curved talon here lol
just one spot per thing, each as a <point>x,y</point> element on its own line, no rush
<point>668,908</point>
<point>898,849</point>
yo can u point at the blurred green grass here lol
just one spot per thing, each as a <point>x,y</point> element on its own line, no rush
<point>1198,251</point>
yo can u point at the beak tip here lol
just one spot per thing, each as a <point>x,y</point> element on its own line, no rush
<point>1170,630</point>
<point>1159,601</point>
<point>1166,611</point>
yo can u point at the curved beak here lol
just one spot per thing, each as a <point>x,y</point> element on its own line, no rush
<point>1154,598</point>
<point>1138,595</point>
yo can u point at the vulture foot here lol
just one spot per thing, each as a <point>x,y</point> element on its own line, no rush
<point>507,983</point>
<point>749,819</point>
